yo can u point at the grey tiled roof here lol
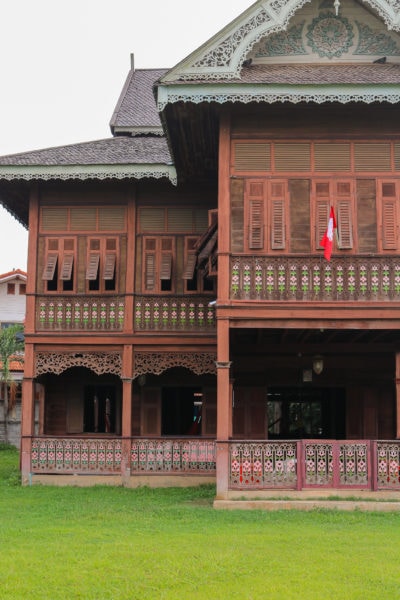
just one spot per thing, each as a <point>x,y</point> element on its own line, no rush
<point>309,74</point>
<point>111,151</point>
<point>136,107</point>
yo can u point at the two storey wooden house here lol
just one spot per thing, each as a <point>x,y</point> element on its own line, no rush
<point>183,324</point>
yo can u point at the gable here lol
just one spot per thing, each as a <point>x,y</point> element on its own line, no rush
<point>298,30</point>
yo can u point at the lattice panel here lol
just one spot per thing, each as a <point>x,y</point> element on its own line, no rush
<point>58,362</point>
<point>179,456</point>
<point>353,464</point>
<point>318,458</point>
<point>263,465</point>
<point>174,313</point>
<point>388,460</point>
<point>76,456</point>
<point>158,362</point>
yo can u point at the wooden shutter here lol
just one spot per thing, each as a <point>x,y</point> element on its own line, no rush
<point>93,266</point>
<point>366,215</point>
<point>344,224</point>
<point>292,156</point>
<point>255,198</point>
<point>166,266</point>
<point>372,156</point>
<point>322,208</point>
<point>251,156</point>
<point>109,267</point>
<point>344,209</point>
<point>50,267</point>
<point>190,266</point>
<point>150,272</point>
<point>278,216</point>
<point>66,268</point>
<point>389,219</point>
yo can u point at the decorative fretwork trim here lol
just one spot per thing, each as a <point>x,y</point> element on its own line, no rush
<point>83,172</point>
<point>222,58</point>
<point>221,94</point>
<point>200,363</point>
<point>98,362</point>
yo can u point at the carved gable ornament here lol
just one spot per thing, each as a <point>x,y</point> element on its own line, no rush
<point>295,31</point>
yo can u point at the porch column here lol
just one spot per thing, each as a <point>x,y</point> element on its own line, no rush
<point>28,415</point>
<point>127,370</point>
<point>224,408</point>
<point>398,395</point>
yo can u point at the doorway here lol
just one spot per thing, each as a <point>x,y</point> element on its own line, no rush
<point>181,411</point>
<point>297,413</point>
<point>99,411</point>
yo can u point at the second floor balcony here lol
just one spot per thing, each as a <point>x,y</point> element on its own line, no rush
<point>312,278</point>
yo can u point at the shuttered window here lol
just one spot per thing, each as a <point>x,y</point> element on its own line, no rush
<point>150,272</point>
<point>83,218</point>
<point>66,267</point>
<point>332,157</point>
<point>93,266</point>
<point>389,215</point>
<point>188,272</point>
<point>344,223</point>
<point>166,266</point>
<point>322,208</point>
<point>372,157</point>
<point>292,156</point>
<point>158,253</point>
<point>109,267</point>
<point>278,216</point>
<point>50,267</point>
<point>255,214</point>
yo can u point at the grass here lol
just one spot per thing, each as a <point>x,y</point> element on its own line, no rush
<point>170,544</point>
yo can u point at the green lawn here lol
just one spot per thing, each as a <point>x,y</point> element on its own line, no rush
<point>115,543</point>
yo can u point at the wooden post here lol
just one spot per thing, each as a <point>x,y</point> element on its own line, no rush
<point>127,370</point>
<point>28,415</point>
<point>224,408</point>
<point>397,395</point>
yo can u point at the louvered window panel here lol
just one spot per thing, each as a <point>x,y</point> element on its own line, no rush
<point>321,220</point>
<point>83,218</point>
<point>188,272</point>
<point>152,219</point>
<point>112,218</point>
<point>250,156</point>
<point>292,157</point>
<point>332,157</point>
<point>66,267</point>
<point>256,225</point>
<point>344,224</point>
<point>54,219</point>
<point>109,267</point>
<point>93,267</point>
<point>397,157</point>
<point>372,157</point>
<point>278,237</point>
<point>179,220</point>
<point>150,272</point>
<point>389,227</point>
<point>201,220</point>
<point>166,267</point>
<point>50,267</point>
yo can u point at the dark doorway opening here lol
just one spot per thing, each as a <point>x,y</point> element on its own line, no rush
<point>297,413</point>
<point>99,411</point>
<point>181,411</point>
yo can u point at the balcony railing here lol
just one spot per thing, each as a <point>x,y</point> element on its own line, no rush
<point>80,313</point>
<point>253,465</point>
<point>305,278</point>
<point>361,464</point>
<point>174,313</point>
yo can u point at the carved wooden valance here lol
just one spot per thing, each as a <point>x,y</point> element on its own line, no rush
<point>200,363</point>
<point>98,362</point>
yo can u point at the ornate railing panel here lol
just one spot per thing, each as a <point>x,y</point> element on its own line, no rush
<point>305,278</point>
<point>263,465</point>
<point>173,455</point>
<point>336,464</point>
<point>173,313</point>
<point>388,465</point>
<point>73,455</point>
<point>80,313</point>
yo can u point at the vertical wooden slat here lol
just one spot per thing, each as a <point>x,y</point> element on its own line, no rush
<point>278,216</point>
<point>255,208</point>
<point>366,215</point>
<point>344,224</point>
<point>150,271</point>
<point>300,240</point>
<point>389,215</point>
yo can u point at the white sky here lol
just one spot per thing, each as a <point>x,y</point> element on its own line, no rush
<point>63,64</point>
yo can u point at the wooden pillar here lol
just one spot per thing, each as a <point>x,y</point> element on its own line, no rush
<point>30,318</point>
<point>398,395</point>
<point>127,370</point>
<point>28,414</point>
<point>224,212</point>
<point>224,408</point>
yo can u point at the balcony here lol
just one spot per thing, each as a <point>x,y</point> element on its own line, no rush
<point>174,313</point>
<point>308,278</point>
<point>80,313</point>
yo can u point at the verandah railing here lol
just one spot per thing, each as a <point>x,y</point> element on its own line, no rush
<point>261,465</point>
<point>174,313</point>
<point>358,464</point>
<point>305,278</point>
<point>80,313</point>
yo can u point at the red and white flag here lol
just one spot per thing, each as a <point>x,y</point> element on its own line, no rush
<point>327,240</point>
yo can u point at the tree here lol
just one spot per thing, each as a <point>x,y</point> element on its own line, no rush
<point>11,348</point>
